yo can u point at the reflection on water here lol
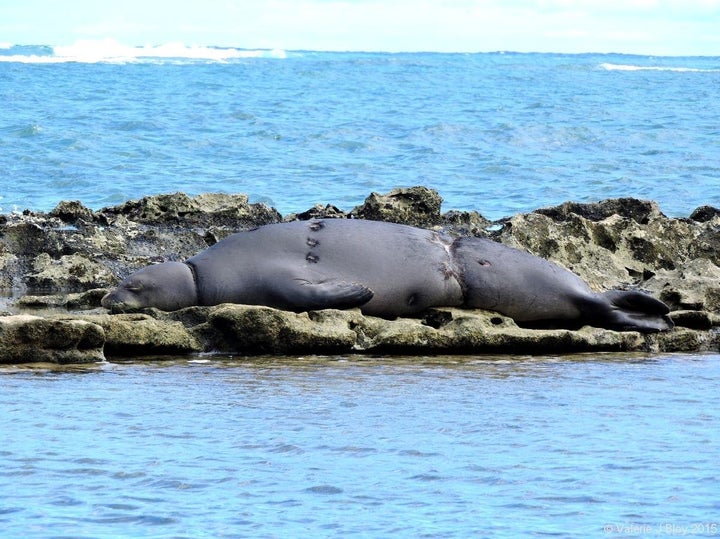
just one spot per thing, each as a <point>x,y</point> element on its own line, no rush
<point>359,446</point>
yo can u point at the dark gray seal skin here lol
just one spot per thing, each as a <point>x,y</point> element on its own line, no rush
<point>532,290</point>
<point>386,270</point>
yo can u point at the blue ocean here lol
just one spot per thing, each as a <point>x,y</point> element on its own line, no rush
<point>609,445</point>
<point>497,133</point>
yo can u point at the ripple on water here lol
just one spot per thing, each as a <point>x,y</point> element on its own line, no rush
<point>324,489</point>
<point>453,449</point>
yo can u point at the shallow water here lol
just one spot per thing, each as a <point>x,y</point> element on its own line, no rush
<point>362,447</point>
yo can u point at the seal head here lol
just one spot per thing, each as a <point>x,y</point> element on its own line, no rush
<point>168,286</point>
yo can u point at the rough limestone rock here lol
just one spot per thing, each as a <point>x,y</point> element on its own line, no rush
<point>250,330</point>
<point>465,223</point>
<point>72,211</point>
<point>9,266</point>
<point>69,272</point>
<point>58,265</point>
<point>318,212</point>
<point>73,301</point>
<point>202,210</point>
<point>240,328</point>
<point>695,284</point>
<point>31,339</point>
<point>144,335</point>
<point>417,206</point>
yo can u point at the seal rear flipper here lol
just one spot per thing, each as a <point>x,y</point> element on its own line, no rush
<point>630,310</point>
<point>304,295</point>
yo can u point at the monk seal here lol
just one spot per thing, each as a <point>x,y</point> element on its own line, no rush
<point>386,270</point>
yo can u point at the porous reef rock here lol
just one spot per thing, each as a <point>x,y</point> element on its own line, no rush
<point>26,338</point>
<point>56,267</point>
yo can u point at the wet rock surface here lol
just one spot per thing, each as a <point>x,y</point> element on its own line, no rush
<point>55,267</point>
<point>26,338</point>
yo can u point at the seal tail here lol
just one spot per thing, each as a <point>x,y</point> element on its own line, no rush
<point>630,310</point>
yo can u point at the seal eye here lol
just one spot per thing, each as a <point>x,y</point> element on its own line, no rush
<point>134,287</point>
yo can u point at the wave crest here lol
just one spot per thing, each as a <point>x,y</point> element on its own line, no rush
<point>112,51</point>
<point>626,67</point>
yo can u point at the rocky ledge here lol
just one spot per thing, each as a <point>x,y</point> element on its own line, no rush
<point>56,266</point>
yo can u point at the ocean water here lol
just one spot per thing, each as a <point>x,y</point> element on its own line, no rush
<point>498,133</point>
<point>585,446</point>
<point>450,447</point>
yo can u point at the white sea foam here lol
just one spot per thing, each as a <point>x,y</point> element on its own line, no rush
<point>112,51</point>
<point>626,67</point>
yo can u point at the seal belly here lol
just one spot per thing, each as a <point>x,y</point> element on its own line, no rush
<point>408,269</point>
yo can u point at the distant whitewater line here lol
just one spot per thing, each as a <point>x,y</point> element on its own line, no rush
<point>625,67</point>
<point>112,51</point>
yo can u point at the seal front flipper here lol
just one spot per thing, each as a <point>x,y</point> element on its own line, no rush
<point>630,310</point>
<point>305,295</point>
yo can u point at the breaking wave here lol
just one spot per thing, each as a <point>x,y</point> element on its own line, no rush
<point>626,67</point>
<point>112,51</point>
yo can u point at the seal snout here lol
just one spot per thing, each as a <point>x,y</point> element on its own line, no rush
<point>111,299</point>
<point>112,303</point>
